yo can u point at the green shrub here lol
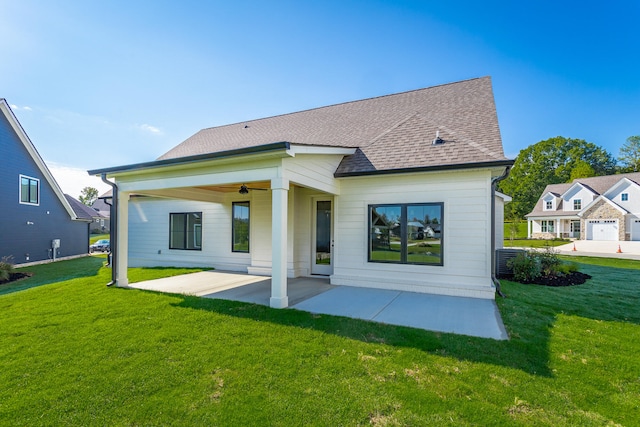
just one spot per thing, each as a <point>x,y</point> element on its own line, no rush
<point>526,266</point>
<point>549,261</point>
<point>6,268</point>
<point>567,268</point>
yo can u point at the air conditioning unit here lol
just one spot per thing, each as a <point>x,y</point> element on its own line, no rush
<point>502,256</point>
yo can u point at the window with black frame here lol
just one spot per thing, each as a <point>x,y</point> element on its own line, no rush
<point>29,190</point>
<point>185,231</point>
<point>406,233</point>
<point>240,227</point>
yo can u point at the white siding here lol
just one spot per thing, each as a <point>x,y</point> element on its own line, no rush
<point>499,222</point>
<point>633,203</point>
<point>578,192</point>
<point>467,224</point>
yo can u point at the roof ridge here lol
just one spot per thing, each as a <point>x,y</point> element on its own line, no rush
<point>345,103</point>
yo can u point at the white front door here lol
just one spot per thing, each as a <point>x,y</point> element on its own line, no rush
<point>322,237</point>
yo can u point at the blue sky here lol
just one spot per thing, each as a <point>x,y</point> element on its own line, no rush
<point>106,83</point>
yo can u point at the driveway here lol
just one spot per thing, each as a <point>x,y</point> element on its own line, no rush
<point>467,316</point>
<point>599,248</point>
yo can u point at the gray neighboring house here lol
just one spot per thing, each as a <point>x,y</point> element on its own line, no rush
<point>596,208</point>
<point>104,209</point>
<point>37,222</point>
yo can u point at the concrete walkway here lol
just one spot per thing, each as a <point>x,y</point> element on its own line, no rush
<point>466,316</point>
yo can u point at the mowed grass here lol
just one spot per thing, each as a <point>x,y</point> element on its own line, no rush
<point>75,352</point>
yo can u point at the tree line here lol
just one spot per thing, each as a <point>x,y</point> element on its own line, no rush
<point>560,160</point>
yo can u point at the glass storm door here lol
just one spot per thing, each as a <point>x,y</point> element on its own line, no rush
<point>322,238</point>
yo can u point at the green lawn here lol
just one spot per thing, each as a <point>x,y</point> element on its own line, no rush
<point>520,232</point>
<point>75,352</point>
<point>533,243</point>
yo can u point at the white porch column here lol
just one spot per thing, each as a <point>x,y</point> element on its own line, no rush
<point>529,224</point>
<point>122,280</point>
<point>558,228</point>
<point>279,207</point>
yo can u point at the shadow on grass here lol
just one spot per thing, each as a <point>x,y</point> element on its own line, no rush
<point>54,272</point>
<point>512,354</point>
<point>529,314</point>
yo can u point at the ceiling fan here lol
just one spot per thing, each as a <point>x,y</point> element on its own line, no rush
<point>245,190</point>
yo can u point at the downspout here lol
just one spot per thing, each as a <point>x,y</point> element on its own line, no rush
<point>113,228</point>
<point>494,181</point>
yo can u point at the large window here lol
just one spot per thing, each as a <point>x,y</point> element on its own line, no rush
<point>406,233</point>
<point>547,226</point>
<point>185,231</point>
<point>240,231</point>
<point>29,190</point>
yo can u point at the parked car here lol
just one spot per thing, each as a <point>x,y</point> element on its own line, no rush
<point>102,245</point>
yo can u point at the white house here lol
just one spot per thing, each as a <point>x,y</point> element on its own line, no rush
<point>597,208</point>
<point>336,191</point>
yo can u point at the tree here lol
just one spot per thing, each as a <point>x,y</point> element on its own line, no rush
<point>552,161</point>
<point>630,154</point>
<point>88,195</point>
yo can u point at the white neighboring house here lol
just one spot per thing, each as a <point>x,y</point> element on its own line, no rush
<point>597,208</point>
<point>339,191</point>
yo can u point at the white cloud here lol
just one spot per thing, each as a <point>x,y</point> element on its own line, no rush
<point>151,129</point>
<point>25,108</point>
<point>73,180</point>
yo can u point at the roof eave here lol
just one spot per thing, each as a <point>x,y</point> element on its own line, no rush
<point>435,168</point>
<point>276,146</point>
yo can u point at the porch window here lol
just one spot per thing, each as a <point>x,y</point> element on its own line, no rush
<point>577,204</point>
<point>29,190</point>
<point>547,226</point>
<point>406,233</point>
<point>240,227</point>
<point>185,231</point>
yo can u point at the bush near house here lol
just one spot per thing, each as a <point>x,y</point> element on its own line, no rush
<point>545,268</point>
<point>6,269</point>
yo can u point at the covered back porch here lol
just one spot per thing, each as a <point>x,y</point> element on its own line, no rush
<point>290,192</point>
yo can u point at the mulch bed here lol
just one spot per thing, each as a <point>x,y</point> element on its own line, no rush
<point>571,279</point>
<point>13,277</point>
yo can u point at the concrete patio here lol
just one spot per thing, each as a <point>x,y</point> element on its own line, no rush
<point>466,316</point>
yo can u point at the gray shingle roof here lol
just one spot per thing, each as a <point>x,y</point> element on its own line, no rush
<point>390,132</point>
<point>82,211</point>
<point>597,184</point>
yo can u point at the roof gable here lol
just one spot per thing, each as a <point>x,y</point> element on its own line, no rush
<point>390,132</point>
<point>5,109</point>
<point>624,181</point>
<point>575,187</point>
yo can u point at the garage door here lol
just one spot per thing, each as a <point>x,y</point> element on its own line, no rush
<point>602,229</point>
<point>635,229</point>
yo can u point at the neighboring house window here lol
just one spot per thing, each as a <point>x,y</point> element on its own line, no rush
<point>547,226</point>
<point>406,233</point>
<point>240,227</point>
<point>29,190</point>
<point>625,197</point>
<point>577,204</point>
<point>548,206</point>
<point>185,231</point>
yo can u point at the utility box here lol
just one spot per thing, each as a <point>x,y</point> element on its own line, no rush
<point>502,256</point>
<point>55,243</point>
